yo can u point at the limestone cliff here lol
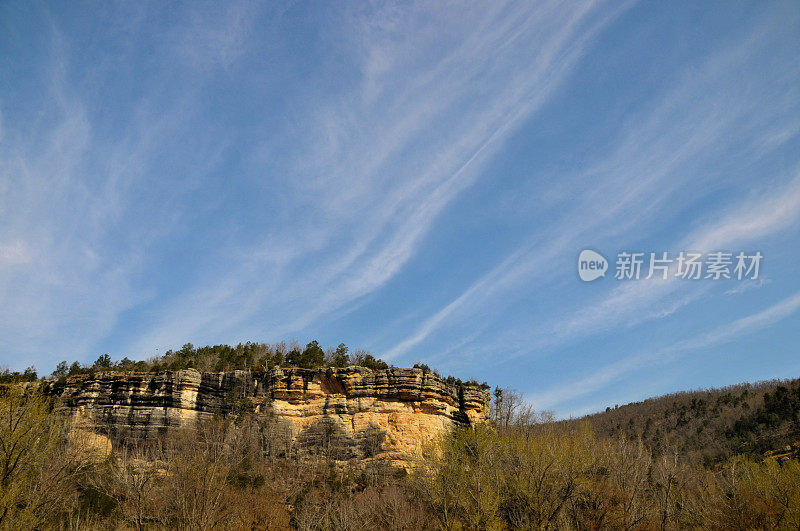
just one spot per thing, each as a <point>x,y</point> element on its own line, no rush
<point>352,413</point>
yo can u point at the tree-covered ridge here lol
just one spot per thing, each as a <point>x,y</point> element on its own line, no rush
<point>711,425</point>
<point>28,375</point>
<point>244,356</point>
<point>252,356</point>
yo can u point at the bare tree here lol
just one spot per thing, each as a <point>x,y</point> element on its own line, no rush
<point>131,480</point>
<point>36,464</point>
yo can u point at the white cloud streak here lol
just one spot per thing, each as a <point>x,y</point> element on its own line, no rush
<point>399,148</point>
<point>76,230</point>
<point>718,336</point>
<point>654,161</point>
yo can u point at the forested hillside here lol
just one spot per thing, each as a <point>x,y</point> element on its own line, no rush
<point>711,425</point>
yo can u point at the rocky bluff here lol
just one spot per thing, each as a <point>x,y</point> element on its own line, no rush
<point>352,412</point>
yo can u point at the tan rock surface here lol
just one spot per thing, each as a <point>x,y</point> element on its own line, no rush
<point>352,413</point>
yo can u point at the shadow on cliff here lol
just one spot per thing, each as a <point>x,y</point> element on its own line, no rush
<point>327,437</point>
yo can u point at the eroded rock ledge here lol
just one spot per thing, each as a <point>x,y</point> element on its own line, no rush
<point>351,413</point>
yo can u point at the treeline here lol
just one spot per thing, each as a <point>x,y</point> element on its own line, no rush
<point>452,380</point>
<point>244,356</point>
<point>234,473</point>
<point>710,426</point>
<point>28,375</point>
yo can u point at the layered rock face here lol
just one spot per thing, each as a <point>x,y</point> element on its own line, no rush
<point>349,413</point>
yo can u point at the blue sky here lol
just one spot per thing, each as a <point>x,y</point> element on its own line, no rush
<point>412,179</point>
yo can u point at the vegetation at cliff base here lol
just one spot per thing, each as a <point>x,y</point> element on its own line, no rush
<point>520,470</point>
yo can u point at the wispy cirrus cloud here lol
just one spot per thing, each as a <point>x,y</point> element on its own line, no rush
<point>635,302</point>
<point>129,144</point>
<point>660,157</point>
<point>408,137</point>
<point>722,334</point>
<point>76,207</point>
